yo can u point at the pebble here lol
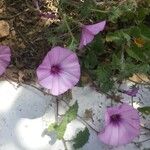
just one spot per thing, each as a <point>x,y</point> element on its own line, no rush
<point>4,28</point>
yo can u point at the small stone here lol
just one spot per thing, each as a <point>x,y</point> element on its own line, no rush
<point>4,29</point>
<point>1,11</point>
<point>13,32</point>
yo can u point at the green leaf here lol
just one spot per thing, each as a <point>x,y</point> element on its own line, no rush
<point>111,37</point>
<point>142,12</point>
<point>145,110</point>
<point>116,64</point>
<point>81,138</point>
<point>85,8</point>
<point>68,117</point>
<point>51,127</point>
<point>126,37</point>
<point>145,31</point>
<point>97,45</point>
<point>115,13</point>
<point>71,114</point>
<point>104,78</point>
<point>72,45</point>
<point>95,49</point>
<point>135,31</point>
<point>119,37</point>
<point>142,31</point>
<point>90,61</point>
<point>136,53</point>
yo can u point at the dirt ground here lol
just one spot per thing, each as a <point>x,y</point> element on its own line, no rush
<point>25,28</point>
<point>25,31</point>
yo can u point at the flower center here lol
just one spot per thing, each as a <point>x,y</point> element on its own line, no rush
<point>115,119</point>
<point>55,69</point>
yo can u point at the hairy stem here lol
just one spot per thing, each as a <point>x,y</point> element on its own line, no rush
<point>65,144</point>
<point>68,27</point>
<point>132,101</point>
<point>56,109</point>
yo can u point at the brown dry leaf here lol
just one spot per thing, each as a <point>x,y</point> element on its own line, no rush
<point>139,78</point>
<point>88,114</point>
<point>139,42</point>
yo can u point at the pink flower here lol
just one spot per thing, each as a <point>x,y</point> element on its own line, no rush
<point>5,55</point>
<point>122,125</point>
<point>89,31</point>
<point>59,71</point>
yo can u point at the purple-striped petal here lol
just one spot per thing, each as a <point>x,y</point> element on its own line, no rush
<point>5,57</point>
<point>59,71</point>
<point>122,125</point>
<point>96,28</point>
<point>89,31</point>
<point>86,38</point>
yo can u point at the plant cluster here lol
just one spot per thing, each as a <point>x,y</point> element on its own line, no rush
<point>110,51</point>
<point>120,51</point>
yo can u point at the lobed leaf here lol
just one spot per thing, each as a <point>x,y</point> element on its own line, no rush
<point>68,117</point>
<point>145,110</point>
<point>81,139</point>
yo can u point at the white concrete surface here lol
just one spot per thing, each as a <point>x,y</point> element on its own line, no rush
<point>26,112</point>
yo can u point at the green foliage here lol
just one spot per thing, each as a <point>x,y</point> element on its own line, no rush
<point>121,50</point>
<point>118,52</point>
<point>51,127</point>
<point>85,9</point>
<point>68,117</point>
<point>95,49</point>
<point>104,79</point>
<point>129,11</point>
<point>119,37</point>
<point>72,44</point>
<point>81,139</point>
<point>90,60</point>
<point>145,110</point>
<point>97,46</point>
<point>135,53</point>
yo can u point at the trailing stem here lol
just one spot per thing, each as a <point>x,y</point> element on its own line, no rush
<point>132,100</point>
<point>56,109</point>
<point>68,27</point>
<point>81,119</point>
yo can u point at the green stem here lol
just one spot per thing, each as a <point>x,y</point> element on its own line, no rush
<point>86,124</point>
<point>65,144</point>
<point>76,22</point>
<point>122,59</point>
<point>68,27</point>
<point>56,109</point>
<point>132,101</point>
<point>81,119</point>
<point>101,11</point>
